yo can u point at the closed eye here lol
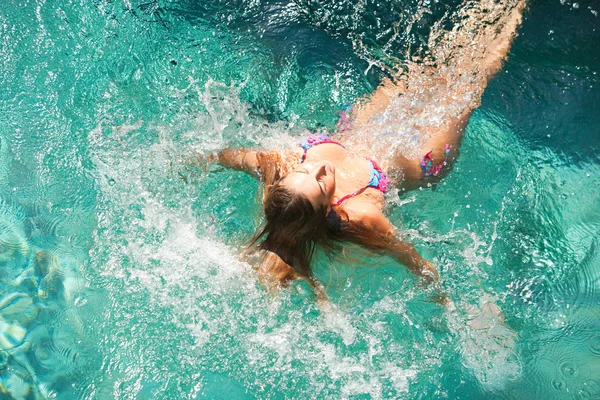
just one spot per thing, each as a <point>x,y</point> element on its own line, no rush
<point>323,187</point>
<point>321,184</point>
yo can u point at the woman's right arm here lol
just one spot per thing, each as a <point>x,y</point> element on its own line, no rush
<point>239,159</point>
<point>266,165</point>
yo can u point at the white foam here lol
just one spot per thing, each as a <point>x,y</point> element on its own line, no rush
<point>215,297</point>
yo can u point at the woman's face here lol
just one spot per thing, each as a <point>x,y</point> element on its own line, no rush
<point>314,180</point>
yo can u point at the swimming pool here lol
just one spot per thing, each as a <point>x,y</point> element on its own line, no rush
<point>120,280</point>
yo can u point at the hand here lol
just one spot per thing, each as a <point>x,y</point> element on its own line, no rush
<point>196,164</point>
<point>430,275</point>
<point>429,272</point>
<point>442,299</point>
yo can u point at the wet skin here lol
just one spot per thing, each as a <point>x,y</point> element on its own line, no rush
<point>315,180</point>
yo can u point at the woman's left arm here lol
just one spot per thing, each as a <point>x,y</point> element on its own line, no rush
<point>383,240</point>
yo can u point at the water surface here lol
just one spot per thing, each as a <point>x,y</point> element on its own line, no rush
<point>119,280</point>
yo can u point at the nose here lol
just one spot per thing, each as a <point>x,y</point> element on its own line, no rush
<point>320,170</point>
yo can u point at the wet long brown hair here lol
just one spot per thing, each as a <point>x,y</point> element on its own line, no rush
<point>293,228</point>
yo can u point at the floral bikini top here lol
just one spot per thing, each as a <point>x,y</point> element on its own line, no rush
<point>378,179</point>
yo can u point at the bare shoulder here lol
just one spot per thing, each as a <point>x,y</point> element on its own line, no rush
<point>278,162</point>
<point>368,214</point>
<point>291,157</point>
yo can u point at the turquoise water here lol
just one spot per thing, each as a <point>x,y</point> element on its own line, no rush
<point>119,280</point>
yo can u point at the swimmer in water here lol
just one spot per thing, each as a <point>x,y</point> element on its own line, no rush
<point>330,190</point>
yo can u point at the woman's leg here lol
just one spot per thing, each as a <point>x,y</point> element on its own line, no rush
<point>439,153</point>
<point>442,143</point>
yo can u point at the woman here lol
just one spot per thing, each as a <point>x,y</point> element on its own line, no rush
<point>329,190</point>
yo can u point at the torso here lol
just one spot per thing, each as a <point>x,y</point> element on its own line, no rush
<point>352,172</point>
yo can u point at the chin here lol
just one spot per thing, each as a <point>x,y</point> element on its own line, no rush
<point>329,167</point>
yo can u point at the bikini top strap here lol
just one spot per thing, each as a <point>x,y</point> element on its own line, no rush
<point>314,140</point>
<point>378,181</point>
<point>346,197</point>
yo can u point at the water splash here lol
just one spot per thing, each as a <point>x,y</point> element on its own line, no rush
<point>150,246</point>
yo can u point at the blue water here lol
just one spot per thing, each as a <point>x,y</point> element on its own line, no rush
<point>120,280</point>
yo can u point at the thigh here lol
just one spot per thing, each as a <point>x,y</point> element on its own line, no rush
<point>448,136</point>
<point>409,172</point>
